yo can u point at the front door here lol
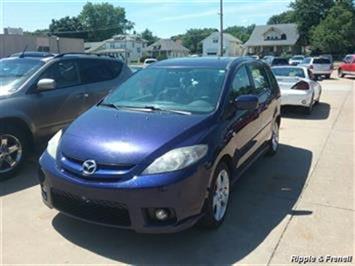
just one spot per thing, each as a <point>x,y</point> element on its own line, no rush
<point>58,107</point>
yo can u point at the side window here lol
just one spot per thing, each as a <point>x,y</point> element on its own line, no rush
<point>98,70</point>
<point>241,84</point>
<point>260,79</point>
<point>274,85</point>
<point>65,73</point>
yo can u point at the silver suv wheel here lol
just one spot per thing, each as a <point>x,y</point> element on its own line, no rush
<point>10,153</point>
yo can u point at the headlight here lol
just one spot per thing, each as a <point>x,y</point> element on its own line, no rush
<point>53,144</point>
<point>177,159</point>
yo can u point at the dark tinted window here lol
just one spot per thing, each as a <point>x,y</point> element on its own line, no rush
<point>97,70</point>
<point>241,84</point>
<point>65,73</point>
<point>321,61</point>
<point>260,78</point>
<point>280,61</point>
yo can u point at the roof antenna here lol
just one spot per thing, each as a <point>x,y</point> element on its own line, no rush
<point>23,52</point>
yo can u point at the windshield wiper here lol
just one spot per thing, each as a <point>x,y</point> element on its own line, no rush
<point>111,105</point>
<point>154,108</point>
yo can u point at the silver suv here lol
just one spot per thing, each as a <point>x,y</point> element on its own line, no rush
<point>40,95</point>
<point>319,66</point>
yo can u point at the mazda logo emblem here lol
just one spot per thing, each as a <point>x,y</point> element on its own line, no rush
<point>89,167</point>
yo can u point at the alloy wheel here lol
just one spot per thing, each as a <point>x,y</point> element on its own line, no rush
<point>221,195</point>
<point>10,153</point>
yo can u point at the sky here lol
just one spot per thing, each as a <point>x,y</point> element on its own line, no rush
<point>165,18</point>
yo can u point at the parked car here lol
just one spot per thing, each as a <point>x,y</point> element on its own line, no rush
<point>347,67</point>
<point>318,66</point>
<point>149,61</point>
<point>136,68</point>
<point>276,61</point>
<point>295,60</point>
<point>297,87</point>
<point>40,95</point>
<point>158,154</point>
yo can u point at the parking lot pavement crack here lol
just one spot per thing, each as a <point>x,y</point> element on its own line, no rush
<point>310,176</point>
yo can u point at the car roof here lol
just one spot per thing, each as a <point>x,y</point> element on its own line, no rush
<point>212,62</point>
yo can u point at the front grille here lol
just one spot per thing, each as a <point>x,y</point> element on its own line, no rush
<point>104,173</point>
<point>100,211</point>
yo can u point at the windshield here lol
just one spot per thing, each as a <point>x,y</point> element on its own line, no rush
<point>193,90</point>
<point>289,72</point>
<point>14,72</point>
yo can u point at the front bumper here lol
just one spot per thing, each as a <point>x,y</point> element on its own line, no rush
<point>126,206</point>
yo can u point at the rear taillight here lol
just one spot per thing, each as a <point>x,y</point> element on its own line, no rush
<point>302,85</point>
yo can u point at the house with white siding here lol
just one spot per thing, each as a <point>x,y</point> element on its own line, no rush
<point>232,46</point>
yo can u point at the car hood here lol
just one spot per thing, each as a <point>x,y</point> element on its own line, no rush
<point>114,136</point>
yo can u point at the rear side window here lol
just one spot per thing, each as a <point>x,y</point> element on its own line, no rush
<point>65,73</point>
<point>98,70</point>
<point>260,78</point>
<point>241,84</point>
<point>322,61</point>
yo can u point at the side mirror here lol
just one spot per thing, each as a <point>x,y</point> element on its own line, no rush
<point>46,84</point>
<point>247,102</point>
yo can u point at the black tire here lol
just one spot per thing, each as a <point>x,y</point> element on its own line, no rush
<point>309,109</point>
<point>340,73</point>
<point>209,220</point>
<point>12,134</point>
<point>274,141</point>
<point>327,76</point>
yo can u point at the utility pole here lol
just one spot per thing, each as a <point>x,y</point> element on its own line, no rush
<point>221,29</point>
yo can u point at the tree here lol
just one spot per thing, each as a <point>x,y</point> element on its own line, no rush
<point>148,36</point>
<point>240,32</point>
<point>67,27</point>
<point>193,37</point>
<point>309,13</point>
<point>336,33</point>
<point>284,17</point>
<point>103,20</point>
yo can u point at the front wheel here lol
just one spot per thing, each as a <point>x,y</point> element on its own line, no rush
<point>309,109</point>
<point>12,151</point>
<point>217,203</point>
<point>274,142</point>
<point>340,73</point>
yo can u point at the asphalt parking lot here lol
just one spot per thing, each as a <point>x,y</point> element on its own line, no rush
<point>299,202</point>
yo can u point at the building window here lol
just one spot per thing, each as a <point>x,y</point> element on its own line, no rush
<point>215,40</point>
<point>138,49</point>
<point>283,36</point>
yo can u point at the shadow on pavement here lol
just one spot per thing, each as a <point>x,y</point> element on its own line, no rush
<point>261,199</point>
<point>321,111</point>
<point>25,178</point>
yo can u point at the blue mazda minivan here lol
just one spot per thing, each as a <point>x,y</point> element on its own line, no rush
<point>161,152</point>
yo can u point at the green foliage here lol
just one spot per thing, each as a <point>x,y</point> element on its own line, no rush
<point>67,27</point>
<point>103,20</point>
<point>193,37</point>
<point>336,33</point>
<point>309,13</point>
<point>148,36</point>
<point>240,32</point>
<point>284,17</point>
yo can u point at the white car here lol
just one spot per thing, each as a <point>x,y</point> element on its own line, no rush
<point>295,60</point>
<point>149,61</point>
<point>297,87</point>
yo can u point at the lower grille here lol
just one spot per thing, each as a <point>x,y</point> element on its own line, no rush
<point>100,211</point>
